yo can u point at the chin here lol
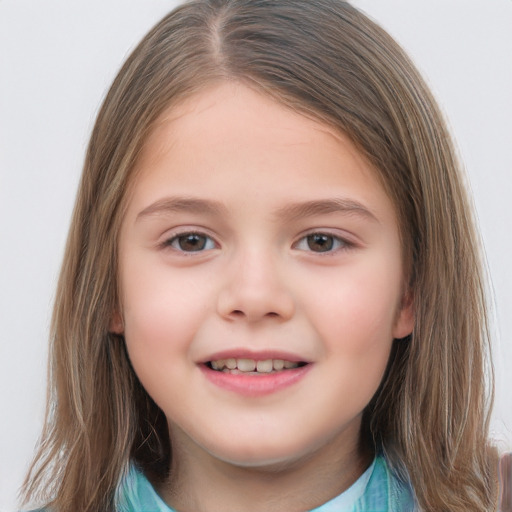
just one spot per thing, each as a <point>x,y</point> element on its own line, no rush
<point>274,456</point>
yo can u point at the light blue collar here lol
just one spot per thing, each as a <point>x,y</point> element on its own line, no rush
<point>376,490</point>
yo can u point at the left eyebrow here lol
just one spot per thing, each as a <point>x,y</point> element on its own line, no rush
<point>326,206</point>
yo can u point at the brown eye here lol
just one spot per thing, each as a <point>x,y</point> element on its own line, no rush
<point>191,242</point>
<point>322,243</point>
<point>319,242</point>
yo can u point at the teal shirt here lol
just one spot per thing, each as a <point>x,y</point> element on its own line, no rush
<point>376,490</point>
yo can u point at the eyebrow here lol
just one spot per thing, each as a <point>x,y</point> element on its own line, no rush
<point>289,212</point>
<point>183,204</point>
<point>326,206</point>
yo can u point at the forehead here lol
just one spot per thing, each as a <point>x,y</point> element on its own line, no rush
<point>230,136</point>
<point>230,113</point>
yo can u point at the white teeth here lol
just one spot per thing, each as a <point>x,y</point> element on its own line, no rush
<point>278,364</point>
<point>231,363</point>
<point>264,366</point>
<point>217,365</point>
<point>250,365</point>
<point>246,365</point>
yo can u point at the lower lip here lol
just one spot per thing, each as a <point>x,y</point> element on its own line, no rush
<point>256,385</point>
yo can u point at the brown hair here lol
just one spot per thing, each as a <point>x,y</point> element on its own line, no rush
<point>328,61</point>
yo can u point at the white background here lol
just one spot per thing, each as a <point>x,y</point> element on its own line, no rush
<point>57,59</point>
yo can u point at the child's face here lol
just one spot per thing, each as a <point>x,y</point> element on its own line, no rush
<point>254,233</point>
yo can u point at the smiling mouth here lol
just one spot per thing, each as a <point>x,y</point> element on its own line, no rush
<point>252,366</point>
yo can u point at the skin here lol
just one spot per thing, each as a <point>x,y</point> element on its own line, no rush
<point>260,283</point>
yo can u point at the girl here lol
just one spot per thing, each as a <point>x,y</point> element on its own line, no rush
<point>271,296</point>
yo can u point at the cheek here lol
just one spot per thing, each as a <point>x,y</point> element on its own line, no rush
<point>354,316</point>
<point>159,326</point>
<point>358,310</point>
<point>160,307</point>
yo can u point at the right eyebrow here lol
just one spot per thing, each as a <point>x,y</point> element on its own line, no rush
<point>182,204</point>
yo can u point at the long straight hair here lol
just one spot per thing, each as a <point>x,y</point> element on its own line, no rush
<point>328,61</point>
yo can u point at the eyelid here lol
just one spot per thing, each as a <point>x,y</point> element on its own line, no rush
<point>346,242</point>
<point>175,233</point>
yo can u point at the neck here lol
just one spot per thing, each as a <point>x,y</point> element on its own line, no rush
<point>207,484</point>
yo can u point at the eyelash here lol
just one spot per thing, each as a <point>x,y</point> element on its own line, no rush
<point>333,243</point>
<point>176,239</point>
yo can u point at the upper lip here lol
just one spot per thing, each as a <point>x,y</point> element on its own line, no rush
<point>260,355</point>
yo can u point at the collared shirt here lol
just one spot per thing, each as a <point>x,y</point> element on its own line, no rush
<point>377,490</point>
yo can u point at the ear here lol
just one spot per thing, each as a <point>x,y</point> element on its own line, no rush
<point>116,323</point>
<point>404,324</point>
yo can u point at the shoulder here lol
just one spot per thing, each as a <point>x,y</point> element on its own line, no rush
<point>377,489</point>
<point>386,490</point>
<point>136,494</point>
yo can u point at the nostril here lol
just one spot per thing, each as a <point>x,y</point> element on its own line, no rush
<point>239,314</point>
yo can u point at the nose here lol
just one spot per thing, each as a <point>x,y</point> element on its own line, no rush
<point>256,289</point>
